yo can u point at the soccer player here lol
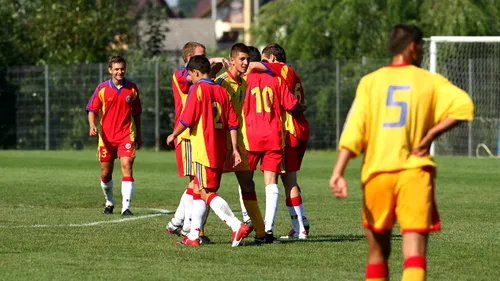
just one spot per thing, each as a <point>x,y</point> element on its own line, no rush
<point>181,81</point>
<point>209,114</point>
<point>397,113</point>
<point>117,101</point>
<point>264,100</point>
<point>296,137</point>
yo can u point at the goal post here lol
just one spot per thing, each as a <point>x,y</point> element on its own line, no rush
<point>473,64</point>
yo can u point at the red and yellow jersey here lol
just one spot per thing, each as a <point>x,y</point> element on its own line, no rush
<point>264,100</point>
<point>209,113</point>
<point>117,108</point>
<point>236,90</point>
<point>294,122</point>
<point>394,108</point>
<point>180,88</point>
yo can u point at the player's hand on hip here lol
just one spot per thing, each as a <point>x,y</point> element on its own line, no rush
<point>170,140</point>
<point>93,130</point>
<point>423,148</point>
<point>236,158</point>
<point>338,184</point>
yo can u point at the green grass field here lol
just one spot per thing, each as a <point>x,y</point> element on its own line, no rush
<point>46,197</point>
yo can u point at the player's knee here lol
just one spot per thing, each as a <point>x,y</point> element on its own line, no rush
<point>105,175</point>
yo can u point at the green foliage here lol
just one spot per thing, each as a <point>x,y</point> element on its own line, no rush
<point>321,29</point>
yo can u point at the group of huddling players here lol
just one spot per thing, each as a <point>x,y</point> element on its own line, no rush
<point>253,113</point>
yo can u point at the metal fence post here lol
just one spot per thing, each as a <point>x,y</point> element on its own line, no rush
<point>337,104</point>
<point>470,123</point>
<point>101,73</point>
<point>157,106</point>
<point>47,109</point>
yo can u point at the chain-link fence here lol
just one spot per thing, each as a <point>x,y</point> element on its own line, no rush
<point>51,101</point>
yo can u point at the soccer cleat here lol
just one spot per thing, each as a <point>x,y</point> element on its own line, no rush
<point>260,240</point>
<point>292,234</point>
<point>238,236</point>
<point>205,240</point>
<point>127,212</point>
<point>270,239</point>
<point>187,242</point>
<point>175,229</point>
<point>250,224</point>
<point>302,235</point>
<point>108,209</point>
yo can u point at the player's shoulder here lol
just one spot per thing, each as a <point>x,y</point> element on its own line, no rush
<point>104,84</point>
<point>130,84</point>
<point>222,78</point>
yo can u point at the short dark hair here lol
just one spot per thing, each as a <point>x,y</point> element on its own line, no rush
<point>276,50</point>
<point>116,59</point>
<point>402,35</point>
<point>238,48</point>
<point>253,54</point>
<point>200,63</point>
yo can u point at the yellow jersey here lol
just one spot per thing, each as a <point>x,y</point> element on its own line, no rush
<point>236,91</point>
<point>394,108</point>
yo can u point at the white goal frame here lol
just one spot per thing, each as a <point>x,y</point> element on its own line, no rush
<point>433,67</point>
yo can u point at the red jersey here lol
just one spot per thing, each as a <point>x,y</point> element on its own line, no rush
<point>265,98</point>
<point>117,108</point>
<point>180,88</point>
<point>209,113</point>
<point>298,126</point>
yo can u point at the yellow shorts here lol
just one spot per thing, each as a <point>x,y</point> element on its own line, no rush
<point>243,166</point>
<point>407,195</point>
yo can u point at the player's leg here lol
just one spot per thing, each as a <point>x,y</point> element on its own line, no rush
<point>127,184</point>
<point>249,196</point>
<point>379,249</point>
<point>209,181</point>
<point>378,215</point>
<point>198,210</point>
<point>271,165</point>
<point>185,169</point>
<point>244,212</point>
<point>107,155</point>
<point>417,215</point>
<point>294,204</point>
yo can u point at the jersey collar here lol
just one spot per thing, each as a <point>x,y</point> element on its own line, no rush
<point>206,80</point>
<point>232,77</point>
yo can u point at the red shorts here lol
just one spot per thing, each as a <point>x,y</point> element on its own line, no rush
<point>206,177</point>
<point>108,151</point>
<point>271,160</point>
<point>183,155</point>
<point>294,153</point>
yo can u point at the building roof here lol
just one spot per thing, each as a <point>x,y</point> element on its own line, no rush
<point>181,31</point>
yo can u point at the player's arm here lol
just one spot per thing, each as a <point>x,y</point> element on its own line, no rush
<point>216,65</point>
<point>351,141</point>
<point>257,66</point>
<point>93,107</point>
<point>136,113</point>
<point>233,132</point>
<point>453,105</point>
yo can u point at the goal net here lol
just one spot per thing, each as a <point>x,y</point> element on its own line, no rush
<point>473,64</point>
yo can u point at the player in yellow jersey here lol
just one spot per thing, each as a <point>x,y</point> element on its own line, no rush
<point>236,87</point>
<point>397,113</point>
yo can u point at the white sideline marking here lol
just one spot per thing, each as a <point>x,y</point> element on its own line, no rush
<point>161,213</point>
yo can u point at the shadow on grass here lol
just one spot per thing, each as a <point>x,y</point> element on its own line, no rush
<point>335,238</point>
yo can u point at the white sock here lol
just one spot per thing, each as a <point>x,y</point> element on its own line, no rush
<point>127,192</point>
<point>107,189</point>
<point>188,210</point>
<point>178,218</point>
<point>304,217</point>
<point>224,212</point>
<point>198,212</point>
<point>299,219</point>
<point>293,217</point>
<point>272,197</point>
<point>243,209</point>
